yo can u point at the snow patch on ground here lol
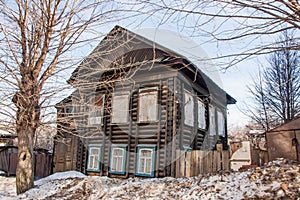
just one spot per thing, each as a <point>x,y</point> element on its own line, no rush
<point>276,180</point>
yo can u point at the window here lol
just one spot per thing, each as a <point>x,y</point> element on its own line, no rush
<point>117,159</point>
<point>188,109</point>
<point>146,159</point>
<point>96,111</point>
<point>120,107</point>
<point>212,121</point>
<point>148,104</point>
<point>221,124</point>
<point>69,110</point>
<point>94,153</point>
<point>201,115</point>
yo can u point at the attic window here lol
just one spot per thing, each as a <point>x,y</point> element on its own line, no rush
<point>188,109</point>
<point>221,124</point>
<point>96,110</point>
<point>148,104</point>
<point>120,107</point>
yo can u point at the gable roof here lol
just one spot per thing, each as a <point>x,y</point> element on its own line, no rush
<point>119,42</point>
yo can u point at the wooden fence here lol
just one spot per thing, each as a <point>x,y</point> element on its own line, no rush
<point>9,159</point>
<point>193,163</point>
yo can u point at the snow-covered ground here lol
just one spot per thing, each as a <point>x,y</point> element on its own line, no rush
<point>276,180</point>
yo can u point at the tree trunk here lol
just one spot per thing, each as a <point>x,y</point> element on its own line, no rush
<point>27,122</point>
<point>25,166</point>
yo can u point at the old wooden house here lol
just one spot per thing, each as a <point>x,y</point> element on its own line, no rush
<point>283,141</point>
<point>136,103</point>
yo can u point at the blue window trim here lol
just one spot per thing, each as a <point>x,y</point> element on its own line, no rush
<point>153,148</point>
<point>187,148</point>
<point>99,156</point>
<point>124,147</point>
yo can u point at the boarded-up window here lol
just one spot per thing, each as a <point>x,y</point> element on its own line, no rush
<point>117,160</point>
<point>96,109</point>
<point>221,124</point>
<point>212,121</point>
<point>120,107</point>
<point>201,115</point>
<point>188,109</point>
<point>148,104</point>
<point>145,164</point>
<point>94,153</point>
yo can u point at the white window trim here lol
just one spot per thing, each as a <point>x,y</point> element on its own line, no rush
<point>123,160</point>
<point>152,161</point>
<point>90,147</point>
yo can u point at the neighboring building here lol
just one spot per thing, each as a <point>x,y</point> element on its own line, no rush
<point>9,157</point>
<point>283,141</point>
<point>241,156</point>
<point>136,103</point>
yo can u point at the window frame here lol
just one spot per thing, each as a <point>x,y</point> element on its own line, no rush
<point>212,121</point>
<point>219,112</point>
<point>153,155</point>
<point>113,120</point>
<point>149,90</point>
<point>189,121</point>
<point>123,148</point>
<point>98,147</point>
<point>198,115</point>
<point>92,108</point>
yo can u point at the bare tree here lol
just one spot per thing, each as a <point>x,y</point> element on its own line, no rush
<point>276,91</point>
<point>259,112</point>
<point>36,38</point>
<point>244,26</point>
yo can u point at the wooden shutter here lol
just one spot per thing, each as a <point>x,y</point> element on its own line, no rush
<point>201,115</point>
<point>120,107</point>
<point>148,107</point>
<point>188,109</point>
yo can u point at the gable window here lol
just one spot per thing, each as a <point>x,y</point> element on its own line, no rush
<point>117,159</point>
<point>96,110</point>
<point>201,114</point>
<point>221,123</point>
<point>188,109</point>
<point>94,154</point>
<point>148,108</point>
<point>145,161</point>
<point>120,107</point>
<point>212,121</point>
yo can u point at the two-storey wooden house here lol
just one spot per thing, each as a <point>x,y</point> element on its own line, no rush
<point>136,103</point>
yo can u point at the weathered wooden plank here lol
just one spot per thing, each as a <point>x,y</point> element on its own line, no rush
<point>188,162</point>
<point>177,172</point>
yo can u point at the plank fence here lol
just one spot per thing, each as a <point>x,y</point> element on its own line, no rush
<point>195,162</point>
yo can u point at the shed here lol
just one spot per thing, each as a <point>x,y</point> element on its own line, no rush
<point>283,141</point>
<point>136,105</point>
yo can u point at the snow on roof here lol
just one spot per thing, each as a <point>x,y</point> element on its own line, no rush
<point>184,46</point>
<point>256,131</point>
